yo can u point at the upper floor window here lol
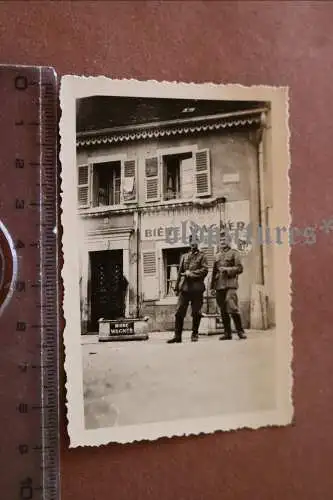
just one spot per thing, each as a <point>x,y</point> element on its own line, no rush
<point>175,183</point>
<point>107,184</point>
<point>177,176</point>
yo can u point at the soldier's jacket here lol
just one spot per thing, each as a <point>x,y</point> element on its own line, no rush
<point>196,263</point>
<point>230,259</point>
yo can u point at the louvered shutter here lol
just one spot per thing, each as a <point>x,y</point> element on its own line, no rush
<point>129,181</point>
<point>150,276</point>
<point>202,173</point>
<point>83,185</point>
<point>152,179</point>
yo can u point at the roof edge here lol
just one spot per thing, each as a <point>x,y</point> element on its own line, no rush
<point>180,128</point>
<point>150,125</point>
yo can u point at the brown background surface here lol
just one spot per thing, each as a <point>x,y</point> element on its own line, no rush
<point>278,43</point>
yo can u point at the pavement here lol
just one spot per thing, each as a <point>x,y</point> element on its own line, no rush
<point>128,383</point>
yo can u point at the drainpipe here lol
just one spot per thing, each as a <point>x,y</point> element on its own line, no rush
<point>138,232</point>
<point>138,222</point>
<point>263,217</point>
<point>221,204</point>
<point>262,204</point>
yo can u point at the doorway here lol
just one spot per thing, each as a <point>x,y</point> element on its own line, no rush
<point>108,286</point>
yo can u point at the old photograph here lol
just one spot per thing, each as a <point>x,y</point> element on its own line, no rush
<point>176,243</point>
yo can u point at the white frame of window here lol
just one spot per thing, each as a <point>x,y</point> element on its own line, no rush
<point>160,246</point>
<point>97,159</point>
<point>193,148</point>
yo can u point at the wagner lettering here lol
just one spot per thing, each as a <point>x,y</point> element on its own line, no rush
<point>122,328</point>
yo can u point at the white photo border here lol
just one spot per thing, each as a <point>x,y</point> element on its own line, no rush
<point>76,87</point>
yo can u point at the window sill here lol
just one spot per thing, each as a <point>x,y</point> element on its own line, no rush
<point>133,206</point>
<point>204,199</point>
<point>110,208</point>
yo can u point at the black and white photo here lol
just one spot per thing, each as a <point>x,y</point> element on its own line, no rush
<point>176,269</point>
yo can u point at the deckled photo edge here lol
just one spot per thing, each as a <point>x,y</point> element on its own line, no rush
<point>73,87</point>
<point>72,363</point>
<point>283,185</point>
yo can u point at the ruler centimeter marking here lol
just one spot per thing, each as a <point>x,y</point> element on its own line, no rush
<point>30,322</point>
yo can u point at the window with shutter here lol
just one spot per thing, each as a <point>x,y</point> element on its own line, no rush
<point>83,185</point>
<point>129,190</point>
<point>106,184</point>
<point>171,260</point>
<point>152,179</point>
<point>202,173</point>
<point>150,277</point>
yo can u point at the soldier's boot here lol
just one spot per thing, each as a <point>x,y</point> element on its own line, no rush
<point>179,321</point>
<point>238,325</point>
<point>195,327</point>
<point>227,327</point>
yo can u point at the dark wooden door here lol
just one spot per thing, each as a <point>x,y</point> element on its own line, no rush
<point>107,286</point>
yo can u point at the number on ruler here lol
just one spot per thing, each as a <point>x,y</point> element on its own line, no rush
<point>20,286</point>
<point>23,408</point>
<point>19,244</point>
<point>21,82</point>
<point>19,204</point>
<point>19,163</point>
<point>26,490</point>
<point>23,449</point>
<point>23,367</point>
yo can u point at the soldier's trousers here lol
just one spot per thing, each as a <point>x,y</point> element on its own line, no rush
<point>227,301</point>
<point>184,299</point>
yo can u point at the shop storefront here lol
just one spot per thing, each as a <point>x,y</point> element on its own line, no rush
<point>139,198</point>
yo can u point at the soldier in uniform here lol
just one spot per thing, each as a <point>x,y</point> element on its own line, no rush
<point>224,283</point>
<point>190,287</point>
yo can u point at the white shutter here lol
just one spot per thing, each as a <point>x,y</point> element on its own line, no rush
<point>187,178</point>
<point>129,181</point>
<point>202,173</point>
<point>152,179</point>
<point>150,286</point>
<point>83,185</point>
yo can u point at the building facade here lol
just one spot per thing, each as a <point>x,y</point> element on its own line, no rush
<point>140,188</point>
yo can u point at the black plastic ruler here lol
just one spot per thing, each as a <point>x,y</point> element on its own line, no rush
<point>29,284</point>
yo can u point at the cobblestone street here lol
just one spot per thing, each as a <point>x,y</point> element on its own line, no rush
<point>128,383</point>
